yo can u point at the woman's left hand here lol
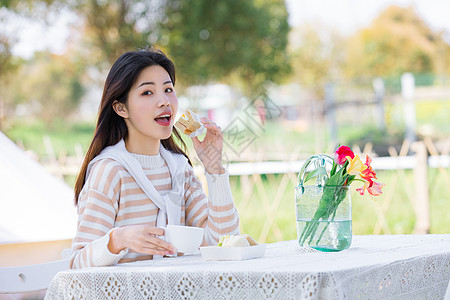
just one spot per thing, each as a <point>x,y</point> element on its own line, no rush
<point>210,149</point>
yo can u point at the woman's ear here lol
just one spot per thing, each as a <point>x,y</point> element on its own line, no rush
<point>120,109</point>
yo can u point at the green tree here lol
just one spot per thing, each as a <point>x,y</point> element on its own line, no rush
<point>397,41</point>
<point>8,66</point>
<point>7,62</point>
<point>114,27</point>
<point>49,85</point>
<point>6,58</point>
<point>37,10</point>
<point>210,41</point>
<point>317,57</point>
<point>228,40</point>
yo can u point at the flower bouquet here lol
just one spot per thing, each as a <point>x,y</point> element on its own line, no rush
<point>324,210</point>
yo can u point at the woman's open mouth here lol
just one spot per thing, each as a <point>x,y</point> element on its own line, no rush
<point>164,120</point>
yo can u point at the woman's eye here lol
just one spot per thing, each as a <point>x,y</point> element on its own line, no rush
<point>169,90</point>
<point>146,93</point>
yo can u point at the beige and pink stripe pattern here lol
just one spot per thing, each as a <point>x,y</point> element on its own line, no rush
<point>112,198</point>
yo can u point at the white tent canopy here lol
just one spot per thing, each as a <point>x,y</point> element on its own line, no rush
<point>34,205</point>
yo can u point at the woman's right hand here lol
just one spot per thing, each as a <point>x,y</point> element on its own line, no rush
<point>141,239</point>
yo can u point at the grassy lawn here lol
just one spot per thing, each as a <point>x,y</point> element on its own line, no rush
<point>64,137</point>
<point>432,117</point>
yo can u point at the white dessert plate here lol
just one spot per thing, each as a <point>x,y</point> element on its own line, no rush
<point>232,253</point>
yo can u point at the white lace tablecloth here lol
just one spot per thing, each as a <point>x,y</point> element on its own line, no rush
<point>374,267</point>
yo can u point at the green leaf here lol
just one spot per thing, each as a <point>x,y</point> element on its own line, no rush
<point>315,173</point>
<point>336,179</point>
<point>333,169</point>
<point>351,178</point>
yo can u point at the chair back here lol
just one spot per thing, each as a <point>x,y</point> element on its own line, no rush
<point>30,278</point>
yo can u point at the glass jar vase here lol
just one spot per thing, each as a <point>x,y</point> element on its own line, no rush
<point>324,217</point>
<point>323,211</point>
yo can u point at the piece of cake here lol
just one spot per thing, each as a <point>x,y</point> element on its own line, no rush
<point>243,240</point>
<point>188,123</point>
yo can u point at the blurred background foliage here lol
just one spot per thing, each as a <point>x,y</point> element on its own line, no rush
<point>246,44</point>
<point>397,41</point>
<point>238,42</point>
<point>241,43</point>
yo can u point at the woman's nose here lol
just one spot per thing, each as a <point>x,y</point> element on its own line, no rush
<point>164,100</point>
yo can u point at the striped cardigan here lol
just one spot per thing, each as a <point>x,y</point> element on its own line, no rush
<point>112,198</point>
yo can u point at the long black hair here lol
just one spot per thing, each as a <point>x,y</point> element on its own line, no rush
<point>111,127</point>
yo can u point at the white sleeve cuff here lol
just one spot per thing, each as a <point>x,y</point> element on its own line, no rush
<point>101,256</point>
<point>219,189</point>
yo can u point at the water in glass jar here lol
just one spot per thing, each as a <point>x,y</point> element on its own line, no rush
<point>329,236</point>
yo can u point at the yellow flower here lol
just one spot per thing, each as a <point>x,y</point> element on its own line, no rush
<point>355,165</point>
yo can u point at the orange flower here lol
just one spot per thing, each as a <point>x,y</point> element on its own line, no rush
<point>374,188</point>
<point>368,174</point>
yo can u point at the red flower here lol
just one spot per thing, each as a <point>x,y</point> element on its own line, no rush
<point>340,157</point>
<point>368,174</point>
<point>374,188</point>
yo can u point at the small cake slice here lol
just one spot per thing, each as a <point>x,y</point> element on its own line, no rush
<point>187,123</point>
<point>243,240</point>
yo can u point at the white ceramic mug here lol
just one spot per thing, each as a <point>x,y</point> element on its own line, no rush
<point>185,239</point>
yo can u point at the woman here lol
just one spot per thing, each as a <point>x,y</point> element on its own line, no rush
<point>135,179</point>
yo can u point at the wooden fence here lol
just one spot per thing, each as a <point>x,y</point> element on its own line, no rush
<point>272,184</point>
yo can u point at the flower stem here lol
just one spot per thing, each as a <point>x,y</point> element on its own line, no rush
<point>326,226</point>
<point>329,204</point>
